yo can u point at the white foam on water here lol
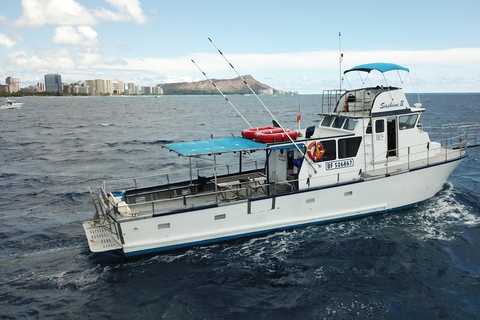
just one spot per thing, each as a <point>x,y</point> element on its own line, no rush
<point>435,217</point>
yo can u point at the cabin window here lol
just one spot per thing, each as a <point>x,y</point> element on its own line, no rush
<point>348,148</point>
<point>407,122</point>
<point>338,123</point>
<point>330,147</point>
<point>350,124</point>
<point>379,126</point>
<point>327,121</point>
<point>369,127</point>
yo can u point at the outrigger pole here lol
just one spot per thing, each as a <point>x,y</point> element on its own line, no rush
<point>213,84</point>
<point>290,138</point>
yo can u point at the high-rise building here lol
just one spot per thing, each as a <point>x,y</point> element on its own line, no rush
<point>40,86</point>
<point>120,87</point>
<point>5,88</point>
<point>108,86</point>
<point>131,88</point>
<point>53,83</point>
<point>14,84</point>
<point>100,86</point>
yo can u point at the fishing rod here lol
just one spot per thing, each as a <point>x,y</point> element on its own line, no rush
<point>222,94</point>
<point>275,119</point>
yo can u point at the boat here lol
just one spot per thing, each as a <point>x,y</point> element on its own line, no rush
<point>369,154</point>
<point>11,104</point>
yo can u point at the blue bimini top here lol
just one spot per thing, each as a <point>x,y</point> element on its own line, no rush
<point>382,67</point>
<point>208,147</point>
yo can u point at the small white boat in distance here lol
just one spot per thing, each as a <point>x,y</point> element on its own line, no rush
<point>369,154</point>
<point>11,104</point>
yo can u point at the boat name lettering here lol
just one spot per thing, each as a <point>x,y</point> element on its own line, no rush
<point>384,105</point>
<point>345,163</point>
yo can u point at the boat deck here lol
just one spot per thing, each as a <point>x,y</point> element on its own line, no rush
<point>165,199</point>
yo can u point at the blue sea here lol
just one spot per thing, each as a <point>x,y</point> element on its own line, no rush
<point>418,263</point>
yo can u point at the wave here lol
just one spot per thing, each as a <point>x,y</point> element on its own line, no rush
<point>440,218</point>
<point>76,274</point>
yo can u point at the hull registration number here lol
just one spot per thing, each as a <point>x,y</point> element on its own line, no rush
<point>339,164</point>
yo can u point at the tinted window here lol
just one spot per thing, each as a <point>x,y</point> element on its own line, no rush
<point>348,148</point>
<point>379,126</point>
<point>330,148</point>
<point>350,124</point>
<point>338,123</point>
<point>369,127</point>
<point>327,121</point>
<point>407,122</point>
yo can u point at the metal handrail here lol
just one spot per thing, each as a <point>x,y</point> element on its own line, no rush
<point>181,173</point>
<point>450,145</point>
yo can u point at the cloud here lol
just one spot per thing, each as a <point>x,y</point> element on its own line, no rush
<point>47,60</point>
<point>59,60</point>
<point>123,47</point>
<point>315,60</point>
<point>128,11</point>
<point>87,57</point>
<point>37,13</point>
<point>82,36</point>
<point>117,61</point>
<point>6,41</point>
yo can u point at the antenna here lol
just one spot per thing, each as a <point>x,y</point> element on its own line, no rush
<point>221,93</point>
<point>340,57</point>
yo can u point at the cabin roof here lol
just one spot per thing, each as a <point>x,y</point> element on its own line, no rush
<point>206,147</point>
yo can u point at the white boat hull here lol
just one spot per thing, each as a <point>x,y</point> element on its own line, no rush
<point>256,216</point>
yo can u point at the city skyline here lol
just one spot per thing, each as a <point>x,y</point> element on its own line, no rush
<point>290,45</point>
<point>53,84</point>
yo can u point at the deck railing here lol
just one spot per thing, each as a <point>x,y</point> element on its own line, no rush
<point>471,130</point>
<point>450,147</point>
<point>175,176</point>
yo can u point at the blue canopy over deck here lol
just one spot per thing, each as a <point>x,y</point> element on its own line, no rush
<point>382,67</point>
<point>208,147</point>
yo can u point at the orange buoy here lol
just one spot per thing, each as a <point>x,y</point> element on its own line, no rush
<point>315,151</point>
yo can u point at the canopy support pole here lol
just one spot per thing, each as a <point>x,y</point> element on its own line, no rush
<point>190,166</point>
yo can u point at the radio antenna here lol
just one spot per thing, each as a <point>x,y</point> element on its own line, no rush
<point>213,84</point>
<point>340,57</point>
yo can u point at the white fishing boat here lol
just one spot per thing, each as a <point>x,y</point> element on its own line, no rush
<point>369,154</point>
<point>11,104</point>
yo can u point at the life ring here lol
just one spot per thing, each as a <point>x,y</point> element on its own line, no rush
<point>275,135</point>
<point>315,151</point>
<point>250,132</point>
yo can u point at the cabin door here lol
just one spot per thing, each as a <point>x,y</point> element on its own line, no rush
<point>392,136</point>
<point>379,140</point>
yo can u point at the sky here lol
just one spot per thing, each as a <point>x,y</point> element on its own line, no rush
<point>289,45</point>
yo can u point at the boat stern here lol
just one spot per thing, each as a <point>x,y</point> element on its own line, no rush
<point>99,236</point>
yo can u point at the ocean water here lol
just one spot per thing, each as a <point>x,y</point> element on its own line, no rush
<point>418,263</point>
